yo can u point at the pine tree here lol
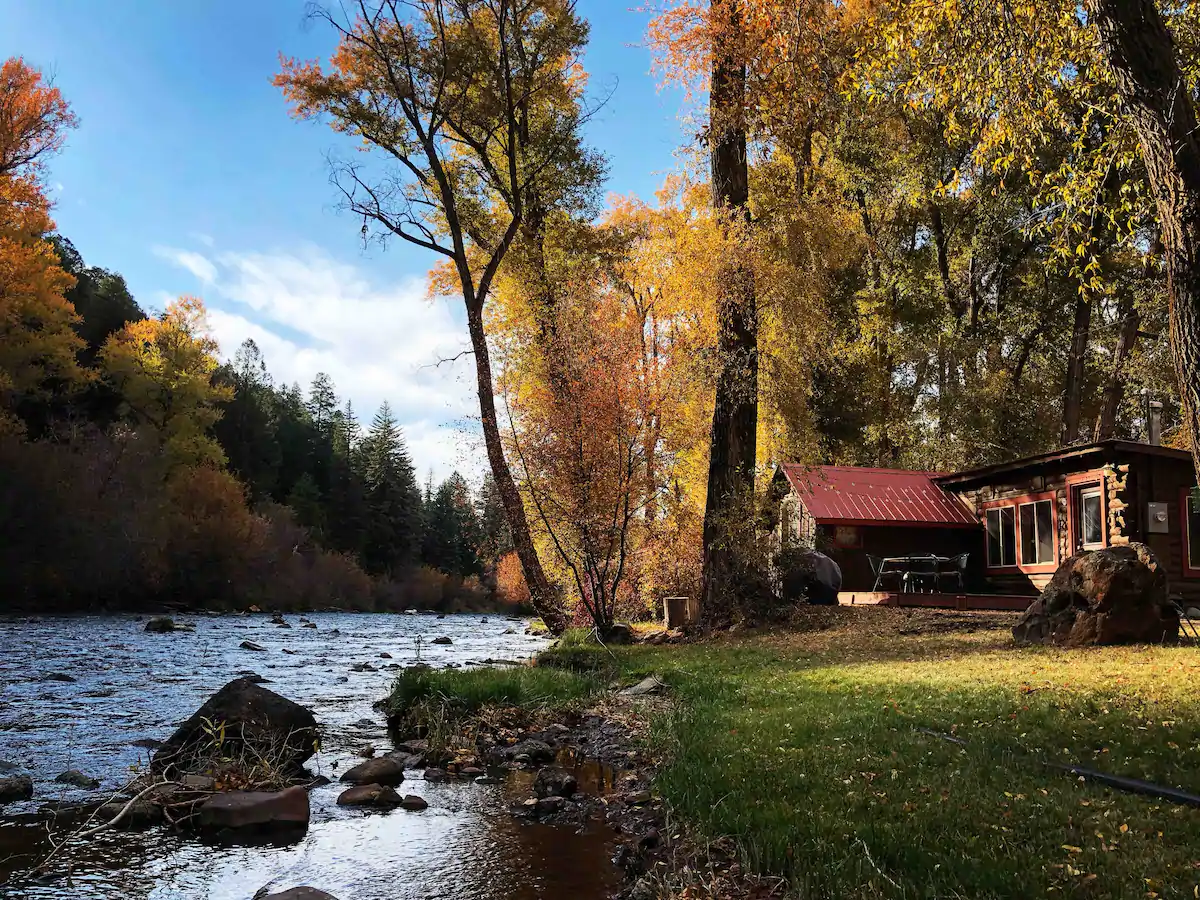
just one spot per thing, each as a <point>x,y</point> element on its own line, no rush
<point>393,532</point>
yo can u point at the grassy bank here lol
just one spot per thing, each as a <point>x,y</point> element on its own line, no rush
<point>806,749</point>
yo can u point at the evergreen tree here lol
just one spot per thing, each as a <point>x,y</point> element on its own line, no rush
<point>247,428</point>
<point>393,531</point>
<point>493,535</point>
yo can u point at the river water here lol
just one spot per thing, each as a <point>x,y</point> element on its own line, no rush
<point>129,686</point>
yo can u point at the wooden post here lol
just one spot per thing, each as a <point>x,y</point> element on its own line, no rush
<point>679,611</point>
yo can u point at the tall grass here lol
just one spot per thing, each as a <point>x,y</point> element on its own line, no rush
<point>466,691</point>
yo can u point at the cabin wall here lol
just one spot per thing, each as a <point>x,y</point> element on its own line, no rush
<point>902,540</point>
<point>1022,579</point>
<point>1157,480</point>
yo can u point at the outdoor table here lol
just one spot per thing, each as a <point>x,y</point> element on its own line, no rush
<point>908,566</point>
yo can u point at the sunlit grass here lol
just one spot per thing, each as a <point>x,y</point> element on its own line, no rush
<point>806,750</point>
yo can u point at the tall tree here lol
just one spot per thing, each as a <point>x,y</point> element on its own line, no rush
<point>1158,98</point>
<point>393,532</point>
<point>476,103</point>
<point>38,345</point>
<point>732,447</point>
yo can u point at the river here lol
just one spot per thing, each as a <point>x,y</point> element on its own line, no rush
<point>128,685</point>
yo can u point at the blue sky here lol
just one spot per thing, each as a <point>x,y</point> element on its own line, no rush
<point>188,177</point>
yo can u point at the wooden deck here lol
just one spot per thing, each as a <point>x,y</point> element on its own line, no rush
<point>936,601</point>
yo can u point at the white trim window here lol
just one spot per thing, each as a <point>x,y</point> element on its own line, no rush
<point>1091,518</point>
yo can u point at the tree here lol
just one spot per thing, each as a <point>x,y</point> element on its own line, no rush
<point>476,104</point>
<point>393,532</point>
<point>38,345</point>
<point>163,370</point>
<point>1156,95</point>
<point>247,429</point>
<point>451,534</point>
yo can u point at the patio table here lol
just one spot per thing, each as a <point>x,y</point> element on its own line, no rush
<point>911,568</point>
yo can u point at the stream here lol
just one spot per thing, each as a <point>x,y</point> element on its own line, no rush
<point>78,692</point>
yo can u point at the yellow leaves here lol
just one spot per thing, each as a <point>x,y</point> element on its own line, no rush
<point>163,370</point>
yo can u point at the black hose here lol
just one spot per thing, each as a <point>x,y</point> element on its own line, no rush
<point>1120,782</point>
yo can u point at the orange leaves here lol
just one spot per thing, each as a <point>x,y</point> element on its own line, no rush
<point>34,119</point>
<point>37,343</point>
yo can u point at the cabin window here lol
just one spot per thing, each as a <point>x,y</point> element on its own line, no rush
<point>1037,532</point>
<point>1191,534</point>
<point>1091,518</point>
<point>1002,536</point>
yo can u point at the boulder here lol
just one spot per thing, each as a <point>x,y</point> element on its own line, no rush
<point>386,770</point>
<point>645,687</point>
<point>75,778</point>
<point>250,645</point>
<point>258,811</point>
<point>19,787</point>
<point>160,625</point>
<point>257,721</point>
<point>442,639</point>
<point>378,796</point>
<point>536,751</point>
<point>299,893</point>
<point>548,806</point>
<point>1113,596</point>
<point>309,625</point>
<point>555,782</point>
<point>617,633</point>
<point>413,803</point>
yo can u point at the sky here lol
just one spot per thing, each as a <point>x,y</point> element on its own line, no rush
<point>187,176</point>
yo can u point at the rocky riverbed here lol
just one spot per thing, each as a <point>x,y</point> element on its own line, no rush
<point>93,695</point>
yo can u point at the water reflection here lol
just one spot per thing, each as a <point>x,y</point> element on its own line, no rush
<point>130,685</point>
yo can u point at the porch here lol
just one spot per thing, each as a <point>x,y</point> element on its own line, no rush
<point>956,601</point>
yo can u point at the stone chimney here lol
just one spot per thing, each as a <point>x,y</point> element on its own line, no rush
<point>1154,422</point>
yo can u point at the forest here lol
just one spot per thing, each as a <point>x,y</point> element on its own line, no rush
<point>137,469</point>
<point>911,235</point>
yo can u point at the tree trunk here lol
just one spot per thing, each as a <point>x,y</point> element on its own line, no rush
<point>542,594</point>
<point>1114,391</point>
<point>1076,366</point>
<point>1144,58</point>
<point>732,446</point>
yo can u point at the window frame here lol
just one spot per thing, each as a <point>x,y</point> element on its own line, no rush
<point>1085,492</point>
<point>1016,501</point>
<point>1077,484</point>
<point>1189,570</point>
<point>1036,543</point>
<point>987,558</point>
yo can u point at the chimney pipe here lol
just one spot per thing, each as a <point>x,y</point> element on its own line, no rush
<point>1155,423</point>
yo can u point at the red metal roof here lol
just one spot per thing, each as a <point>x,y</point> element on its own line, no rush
<point>848,495</point>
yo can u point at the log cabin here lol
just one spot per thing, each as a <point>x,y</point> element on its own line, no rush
<point>1015,521</point>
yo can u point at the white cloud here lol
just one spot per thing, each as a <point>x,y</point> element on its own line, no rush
<point>196,263</point>
<point>309,313</point>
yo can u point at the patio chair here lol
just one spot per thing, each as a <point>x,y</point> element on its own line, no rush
<point>922,576</point>
<point>878,570</point>
<point>955,568</point>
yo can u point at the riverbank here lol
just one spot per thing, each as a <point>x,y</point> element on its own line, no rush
<point>887,753</point>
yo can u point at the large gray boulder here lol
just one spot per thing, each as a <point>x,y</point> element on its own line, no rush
<point>1113,596</point>
<point>258,723</point>
<point>298,893</point>
<point>387,770</point>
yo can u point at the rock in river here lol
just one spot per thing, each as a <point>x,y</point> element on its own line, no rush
<point>386,770</point>
<point>300,893</point>
<point>17,788</point>
<point>77,779</point>
<point>250,645</point>
<point>255,811</point>
<point>161,625</point>
<point>378,796</point>
<point>442,639</point>
<point>413,803</point>
<point>536,751</point>
<point>257,721</point>
<point>555,782</point>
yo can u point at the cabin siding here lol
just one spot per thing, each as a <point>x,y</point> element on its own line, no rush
<point>1163,481</point>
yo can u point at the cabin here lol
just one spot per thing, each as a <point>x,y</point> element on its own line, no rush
<point>1017,521</point>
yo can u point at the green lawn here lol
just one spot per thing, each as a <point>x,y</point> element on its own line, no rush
<point>804,748</point>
